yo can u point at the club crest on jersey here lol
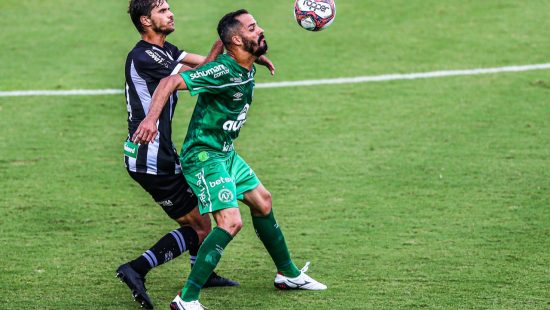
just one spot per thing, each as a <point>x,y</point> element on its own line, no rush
<point>241,119</point>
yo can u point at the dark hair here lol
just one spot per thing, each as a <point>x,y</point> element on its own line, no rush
<point>139,8</point>
<point>228,25</point>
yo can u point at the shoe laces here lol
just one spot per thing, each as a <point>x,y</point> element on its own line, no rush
<point>306,267</point>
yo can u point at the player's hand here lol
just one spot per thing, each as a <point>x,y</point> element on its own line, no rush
<point>263,60</point>
<point>146,131</point>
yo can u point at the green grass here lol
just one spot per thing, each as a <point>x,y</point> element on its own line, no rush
<point>406,194</point>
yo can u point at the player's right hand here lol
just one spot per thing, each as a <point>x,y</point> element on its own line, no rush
<point>146,131</point>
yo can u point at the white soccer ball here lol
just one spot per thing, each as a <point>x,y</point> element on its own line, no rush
<point>314,15</point>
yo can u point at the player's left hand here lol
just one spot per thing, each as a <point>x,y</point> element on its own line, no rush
<point>146,131</point>
<point>263,60</point>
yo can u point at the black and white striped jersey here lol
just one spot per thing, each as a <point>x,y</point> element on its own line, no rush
<point>146,65</point>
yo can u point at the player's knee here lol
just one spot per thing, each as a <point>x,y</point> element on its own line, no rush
<point>232,226</point>
<point>235,225</point>
<point>201,232</point>
<point>201,224</point>
<point>266,195</point>
<point>265,203</point>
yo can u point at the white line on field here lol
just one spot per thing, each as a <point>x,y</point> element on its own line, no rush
<point>352,80</point>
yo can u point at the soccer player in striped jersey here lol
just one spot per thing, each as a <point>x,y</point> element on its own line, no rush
<point>156,166</point>
<point>216,173</point>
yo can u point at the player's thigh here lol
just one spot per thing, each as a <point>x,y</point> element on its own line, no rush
<point>171,192</point>
<point>214,187</point>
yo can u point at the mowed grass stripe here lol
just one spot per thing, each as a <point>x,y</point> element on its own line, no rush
<point>352,80</point>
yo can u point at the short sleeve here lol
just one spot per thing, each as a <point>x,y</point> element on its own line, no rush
<point>179,55</point>
<point>156,63</point>
<point>211,78</point>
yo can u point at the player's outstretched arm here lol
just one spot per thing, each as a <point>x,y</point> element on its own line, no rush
<point>195,60</point>
<point>192,60</point>
<point>147,129</point>
<point>264,61</point>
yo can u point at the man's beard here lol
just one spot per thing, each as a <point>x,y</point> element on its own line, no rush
<point>256,48</point>
<point>165,31</point>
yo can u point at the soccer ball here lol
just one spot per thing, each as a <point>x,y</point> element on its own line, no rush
<point>314,15</point>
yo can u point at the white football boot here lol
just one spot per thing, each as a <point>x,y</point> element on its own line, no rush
<point>179,304</point>
<point>302,282</point>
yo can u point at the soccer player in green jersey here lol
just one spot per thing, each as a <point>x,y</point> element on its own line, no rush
<point>216,173</point>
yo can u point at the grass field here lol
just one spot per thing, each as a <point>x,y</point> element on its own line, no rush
<point>430,193</point>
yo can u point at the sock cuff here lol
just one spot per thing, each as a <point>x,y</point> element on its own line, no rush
<point>223,231</point>
<point>269,215</point>
<point>151,258</point>
<point>178,236</point>
<point>190,239</point>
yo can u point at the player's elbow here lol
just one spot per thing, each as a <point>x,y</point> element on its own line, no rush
<point>174,82</point>
<point>167,84</point>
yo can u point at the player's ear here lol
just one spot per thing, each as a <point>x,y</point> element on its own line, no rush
<point>237,40</point>
<point>145,21</point>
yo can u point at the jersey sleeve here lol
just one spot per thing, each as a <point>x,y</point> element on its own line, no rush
<point>179,55</point>
<point>211,78</point>
<point>157,64</point>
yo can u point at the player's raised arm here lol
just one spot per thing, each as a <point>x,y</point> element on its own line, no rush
<point>264,61</point>
<point>195,60</point>
<point>147,129</point>
<point>192,60</point>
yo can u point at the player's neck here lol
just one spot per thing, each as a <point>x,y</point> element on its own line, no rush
<point>154,38</point>
<point>243,58</point>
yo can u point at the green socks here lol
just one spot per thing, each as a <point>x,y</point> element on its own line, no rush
<point>208,257</point>
<point>272,237</point>
<point>213,246</point>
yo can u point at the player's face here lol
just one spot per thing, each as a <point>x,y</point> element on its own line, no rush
<point>253,36</point>
<point>162,19</point>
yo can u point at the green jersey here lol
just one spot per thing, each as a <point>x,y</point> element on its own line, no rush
<point>225,92</point>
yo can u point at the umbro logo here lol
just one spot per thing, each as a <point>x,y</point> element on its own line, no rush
<point>238,96</point>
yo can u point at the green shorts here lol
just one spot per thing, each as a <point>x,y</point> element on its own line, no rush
<point>218,184</point>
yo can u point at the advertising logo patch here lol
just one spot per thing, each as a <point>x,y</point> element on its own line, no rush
<point>216,72</point>
<point>231,125</point>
